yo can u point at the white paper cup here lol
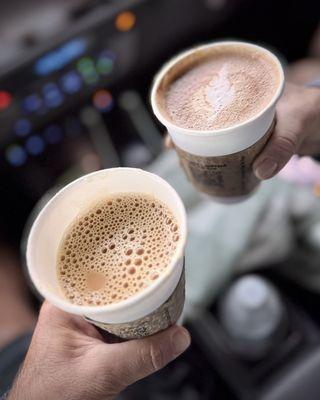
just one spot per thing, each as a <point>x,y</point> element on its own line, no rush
<point>217,150</point>
<point>51,223</point>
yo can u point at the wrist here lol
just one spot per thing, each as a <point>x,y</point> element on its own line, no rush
<point>38,386</point>
<point>30,385</point>
<point>23,387</point>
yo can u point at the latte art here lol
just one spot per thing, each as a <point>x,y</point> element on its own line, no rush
<point>229,86</point>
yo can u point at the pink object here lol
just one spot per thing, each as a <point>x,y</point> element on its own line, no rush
<point>302,170</point>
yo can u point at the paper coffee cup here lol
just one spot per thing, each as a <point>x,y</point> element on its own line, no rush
<point>218,162</point>
<point>145,313</point>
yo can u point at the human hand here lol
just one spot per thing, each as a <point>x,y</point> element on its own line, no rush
<point>68,359</point>
<point>303,70</point>
<point>297,130</point>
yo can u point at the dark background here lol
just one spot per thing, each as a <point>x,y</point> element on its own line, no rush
<point>87,136</point>
<point>162,28</point>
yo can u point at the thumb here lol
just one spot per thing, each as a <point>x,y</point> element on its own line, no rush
<point>136,359</point>
<point>282,145</point>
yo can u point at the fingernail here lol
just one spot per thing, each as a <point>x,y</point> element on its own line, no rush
<point>180,341</point>
<point>266,169</point>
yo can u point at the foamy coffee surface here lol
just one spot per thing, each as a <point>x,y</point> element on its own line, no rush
<point>227,87</point>
<point>117,248</point>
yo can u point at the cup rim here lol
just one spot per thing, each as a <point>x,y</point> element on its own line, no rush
<point>212,132</point>
<point>62,303</point>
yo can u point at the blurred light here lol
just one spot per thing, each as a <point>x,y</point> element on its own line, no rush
<point>52,95</point>
<point>22,127</point>
<point>60,57</point>
<point>74,48</point>
<point>91,78</point>
<point>125,21</point>
<point>71,82</point>
<point>104,65</point>
<point>5,99</point>
<point>32,103</point>
<point>103,100</point>
<point>53,134</point>
<point>85,64</point>
<point>16,155</point>
<point>87,69</point>
<point>35,145</point>
<point>129,100</point>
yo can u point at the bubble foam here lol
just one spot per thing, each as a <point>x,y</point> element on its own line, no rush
<point>225,89</point>
<point>115,249</point>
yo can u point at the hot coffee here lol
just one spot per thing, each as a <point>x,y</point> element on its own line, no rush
<point>227,86</point>
<point>117,248</point>
<point>217,102</point>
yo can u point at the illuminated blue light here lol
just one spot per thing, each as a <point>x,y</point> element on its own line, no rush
<point>53,134</point>
<point>32,103</point>
<point>60,57</point>
<point>71,82</point>
<point>35,145</point>
<point>22,127</point>
<point>16,155</point>
<point>52,95</point>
